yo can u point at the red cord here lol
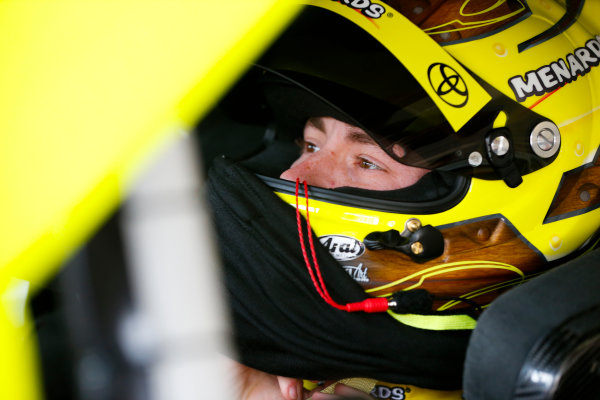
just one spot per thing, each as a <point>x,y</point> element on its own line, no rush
<point>371,305</point>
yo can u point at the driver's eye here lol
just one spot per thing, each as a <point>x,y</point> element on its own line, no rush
<point>366,164</point>
<point>307,147</point>
<point>311,147</point>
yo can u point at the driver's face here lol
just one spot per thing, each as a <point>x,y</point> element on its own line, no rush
<point>337,154</point>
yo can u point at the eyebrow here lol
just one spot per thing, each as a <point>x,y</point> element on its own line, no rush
<point>360,136</point>
<point>354,133</point>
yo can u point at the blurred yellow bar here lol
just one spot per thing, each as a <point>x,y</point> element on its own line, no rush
<point>89,91</point>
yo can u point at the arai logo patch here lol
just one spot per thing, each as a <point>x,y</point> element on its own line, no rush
<point>343,248</point>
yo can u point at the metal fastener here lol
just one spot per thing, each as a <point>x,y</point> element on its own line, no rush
<point>475,159</point>
<point>416,248</point>
<point>413,225</point>
<point>545,139</point>
<point>500,145</point>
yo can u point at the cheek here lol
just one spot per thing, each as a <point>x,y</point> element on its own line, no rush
<point>399,179</point>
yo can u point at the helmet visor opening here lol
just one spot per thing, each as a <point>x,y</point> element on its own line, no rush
<point>325,65</point>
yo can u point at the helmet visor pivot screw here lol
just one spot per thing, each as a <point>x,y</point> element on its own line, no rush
<point>545,139</point>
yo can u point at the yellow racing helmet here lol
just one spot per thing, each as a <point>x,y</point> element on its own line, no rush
<point>498,99</point>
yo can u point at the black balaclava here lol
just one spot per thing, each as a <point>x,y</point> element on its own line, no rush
<point>282,326</point>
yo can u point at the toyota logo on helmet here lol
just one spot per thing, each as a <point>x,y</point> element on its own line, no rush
<point>448,85</point>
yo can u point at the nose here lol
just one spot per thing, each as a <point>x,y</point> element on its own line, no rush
<point>316,169</point>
